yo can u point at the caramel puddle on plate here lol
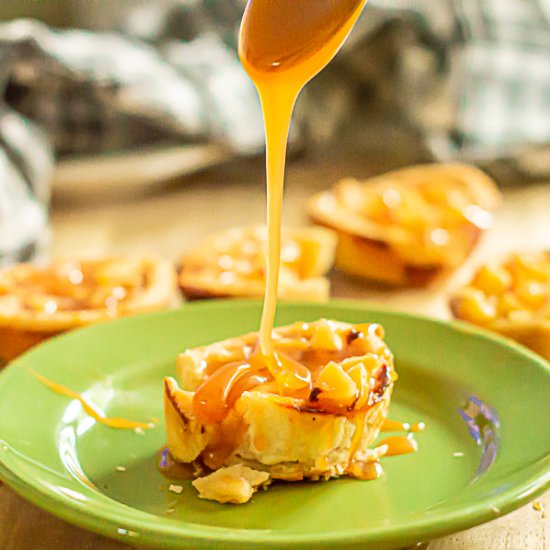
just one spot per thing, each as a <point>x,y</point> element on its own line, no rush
<point>91,408</point>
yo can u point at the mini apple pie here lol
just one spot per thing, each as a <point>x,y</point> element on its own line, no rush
<point>315,419</point>
<point>512,298</point>
<point>407,226</point>
<point>37,302</point>
<point>232,264</point>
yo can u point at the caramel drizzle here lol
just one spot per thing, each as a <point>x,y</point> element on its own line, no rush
<point>220,390</point>
<point>282,50</point>
<point>398,445</point>
<point>91,408</point>
<point>394,446</point>
<point>397,426</point>
<point>217,394</point>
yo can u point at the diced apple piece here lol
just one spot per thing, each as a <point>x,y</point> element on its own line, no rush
<point>336,385</point>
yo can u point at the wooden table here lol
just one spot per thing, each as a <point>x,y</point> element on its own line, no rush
<point>170,219</point>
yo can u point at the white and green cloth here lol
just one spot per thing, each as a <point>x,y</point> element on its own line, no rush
<point>469,79</point>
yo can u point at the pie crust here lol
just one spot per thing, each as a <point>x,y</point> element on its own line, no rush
<point>408,226</point>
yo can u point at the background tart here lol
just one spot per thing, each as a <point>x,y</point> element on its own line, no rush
<point>511,298</point>
<point>232,264</point>
<point>322,433</point>
<point>407,226</point>
<point>37,302</point>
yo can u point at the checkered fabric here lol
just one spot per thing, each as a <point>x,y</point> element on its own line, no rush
<point>26,165</point>
<point>471,78</point>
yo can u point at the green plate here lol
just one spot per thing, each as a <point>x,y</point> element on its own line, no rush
<point>486,449</point>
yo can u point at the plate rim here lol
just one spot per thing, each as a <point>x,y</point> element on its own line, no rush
<point>180,535</point>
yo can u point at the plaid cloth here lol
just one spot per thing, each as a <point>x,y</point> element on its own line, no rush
<point>470,78</point>
<point>505,88</point>
<point>26,164</point>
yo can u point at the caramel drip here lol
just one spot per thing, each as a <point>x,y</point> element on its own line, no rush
<point>282,45</point>
<point>365,470</point>
<point>396,426</point>
<point>217,394</point>
<point>91,408</point>
<point>372,470</point>
<point>398,445</point>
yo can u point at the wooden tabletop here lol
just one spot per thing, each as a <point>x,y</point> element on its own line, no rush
<point>169,218</point>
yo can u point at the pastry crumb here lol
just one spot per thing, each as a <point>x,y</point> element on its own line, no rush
<point>139,431</point>
<point>175,489</point>
<point>120,468</point>
<point>538,506</point>
<point>458,454</point>
<point>234,484</point>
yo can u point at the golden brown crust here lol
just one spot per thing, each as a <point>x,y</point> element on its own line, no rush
<point>409,226</point>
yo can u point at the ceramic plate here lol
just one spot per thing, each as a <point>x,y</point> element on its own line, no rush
<point>486,449</point>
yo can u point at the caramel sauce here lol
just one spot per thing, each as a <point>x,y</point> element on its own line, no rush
<point>398,445</point>
<point>371,471</point>
<point>396,426</point>
<point>90,408</point>
<point>217,394</point>
<point>365,470</point>
<point>283,45</point>
<point>224,384</point>
<point>223,444</point>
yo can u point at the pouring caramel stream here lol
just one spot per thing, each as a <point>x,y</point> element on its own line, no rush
<point>283,45</point>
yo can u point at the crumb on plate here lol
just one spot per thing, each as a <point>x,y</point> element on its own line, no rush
<point>233,484</point>
<point>175,489</point>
